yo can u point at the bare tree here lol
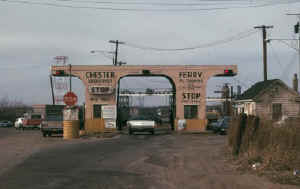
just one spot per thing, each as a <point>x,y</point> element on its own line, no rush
<point>11,109</point>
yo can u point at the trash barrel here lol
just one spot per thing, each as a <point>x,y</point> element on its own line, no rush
<point>71,129</point>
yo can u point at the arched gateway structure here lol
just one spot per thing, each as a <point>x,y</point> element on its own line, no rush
<point>101,90</point>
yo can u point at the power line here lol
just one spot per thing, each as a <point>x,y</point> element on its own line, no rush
<point>160,3</point>
<point>238,36</point>
<point>292,61</point>
<point>284,42</point>
<point>143,9</point>
<point>276,56</point>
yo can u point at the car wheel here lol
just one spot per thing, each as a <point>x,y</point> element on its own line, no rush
<point>153,132</point>
<point>44,134</point>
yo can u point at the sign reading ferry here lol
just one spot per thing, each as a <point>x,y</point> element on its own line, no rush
<point>70,98</point>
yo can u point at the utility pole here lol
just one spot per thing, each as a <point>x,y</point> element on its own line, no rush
<point>296,30</point>
<point>120,63</point>
<point>116,51</point>
<point>264,32</point>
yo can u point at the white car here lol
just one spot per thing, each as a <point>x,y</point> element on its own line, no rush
<point>140,123</point>
<point>19,123</point>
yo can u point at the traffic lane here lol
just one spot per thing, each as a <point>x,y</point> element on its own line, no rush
<point>75,166</point>
<point>7,131</point>
<point>137,161</point>
<point>18,145</point>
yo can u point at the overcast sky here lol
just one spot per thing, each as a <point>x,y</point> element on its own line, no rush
<point>33,32</point>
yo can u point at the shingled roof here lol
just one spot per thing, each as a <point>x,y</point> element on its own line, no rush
<point>257,88</point>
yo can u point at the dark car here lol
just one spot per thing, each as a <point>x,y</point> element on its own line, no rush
<point>6,123</point>
<point>222,125</point>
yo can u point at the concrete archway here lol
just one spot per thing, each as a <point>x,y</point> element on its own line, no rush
<point>190,85</point>
<point>170,94</point>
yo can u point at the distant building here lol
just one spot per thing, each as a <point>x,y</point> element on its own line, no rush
<point>271,100</point>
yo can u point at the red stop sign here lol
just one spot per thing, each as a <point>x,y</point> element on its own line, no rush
<point>70,98</point>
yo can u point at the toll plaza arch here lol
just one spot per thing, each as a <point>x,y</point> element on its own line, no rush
<point>127,93</point>
<point>101,83</point>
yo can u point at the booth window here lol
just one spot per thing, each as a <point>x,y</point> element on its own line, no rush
<point>190,111</point>
<point>97,110</point>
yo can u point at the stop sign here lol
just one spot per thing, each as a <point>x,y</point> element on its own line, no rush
<point>70,98</point>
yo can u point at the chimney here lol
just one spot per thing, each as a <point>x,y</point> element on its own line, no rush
<point>295,83</point>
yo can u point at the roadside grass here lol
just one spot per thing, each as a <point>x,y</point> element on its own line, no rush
<point>266,148</point>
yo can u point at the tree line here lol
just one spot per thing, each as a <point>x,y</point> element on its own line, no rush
<point>12,109</point>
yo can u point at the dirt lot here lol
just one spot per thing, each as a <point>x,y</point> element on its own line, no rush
<point>17,145</point>
<point>140,161</point>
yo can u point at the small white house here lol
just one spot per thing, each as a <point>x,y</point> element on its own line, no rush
<point>271,100</point>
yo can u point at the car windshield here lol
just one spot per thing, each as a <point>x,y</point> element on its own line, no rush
<point>225,122</point>
<point>219,123</point>
<point>140,117</point>
<point>36,116</point>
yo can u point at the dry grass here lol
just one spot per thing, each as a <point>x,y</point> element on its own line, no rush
<point>253,140</point>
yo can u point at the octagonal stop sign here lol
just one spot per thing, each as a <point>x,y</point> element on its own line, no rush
<point>70,98</point>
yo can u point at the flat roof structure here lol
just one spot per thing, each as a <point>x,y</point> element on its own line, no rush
<point>188,81</point>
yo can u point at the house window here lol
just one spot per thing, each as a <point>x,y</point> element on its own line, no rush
<point>190,111</point>
<point>276,111</point>
<point>97,110</point>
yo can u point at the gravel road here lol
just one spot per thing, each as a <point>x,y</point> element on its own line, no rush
<point>140,161</point>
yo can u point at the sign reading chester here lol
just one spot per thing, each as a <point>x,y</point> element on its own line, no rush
<point>188,97</point>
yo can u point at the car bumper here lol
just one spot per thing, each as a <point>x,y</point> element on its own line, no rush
<point>141,128</point>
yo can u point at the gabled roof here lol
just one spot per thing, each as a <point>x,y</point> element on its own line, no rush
<point>259,87</point>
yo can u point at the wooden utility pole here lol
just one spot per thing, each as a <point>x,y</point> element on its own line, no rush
<point>296,31</point>
<point>116,51</point>
<point>265,41</point>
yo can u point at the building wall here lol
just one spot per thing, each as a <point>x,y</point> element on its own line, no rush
<point>280,95</point>
<point>248,108</point>
<point>189,83</point>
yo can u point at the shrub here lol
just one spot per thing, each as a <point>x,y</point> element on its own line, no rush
<point>277,148</point>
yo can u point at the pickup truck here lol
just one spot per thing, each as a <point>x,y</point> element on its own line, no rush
<point>31,121</point>
<point>53,120</point>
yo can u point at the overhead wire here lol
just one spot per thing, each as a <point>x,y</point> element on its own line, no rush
<point>159,3</point>
<point>55,4</point>
<point>289,45</point>
<point>276,56</point>
<point>292,61</point>
<point>238,36</point>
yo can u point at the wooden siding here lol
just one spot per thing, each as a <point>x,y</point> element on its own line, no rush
<point>290,108</point>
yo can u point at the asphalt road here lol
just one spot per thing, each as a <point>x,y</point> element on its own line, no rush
<point>139,161</point>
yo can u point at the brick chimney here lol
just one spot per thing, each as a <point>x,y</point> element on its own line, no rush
<point>295,83</point>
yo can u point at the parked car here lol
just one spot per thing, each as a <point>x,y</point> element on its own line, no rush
<point>213,126</point>
<point>5,123</point>
<point>141,123</point>
<point>19,122</point>
<point>222,125</point>
<point>32,121</point>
